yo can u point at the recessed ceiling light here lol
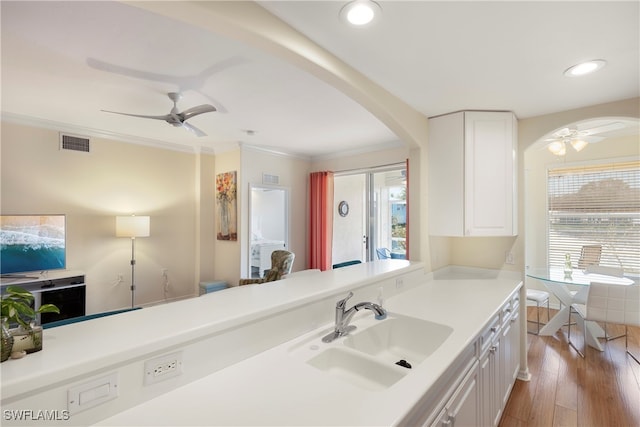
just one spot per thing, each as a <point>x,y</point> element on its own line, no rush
<point>360,12</point>
<point>584,68</point>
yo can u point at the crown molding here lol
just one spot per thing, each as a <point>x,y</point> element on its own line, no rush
<point>96,133</point>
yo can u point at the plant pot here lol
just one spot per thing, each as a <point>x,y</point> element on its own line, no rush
<point>29,340</point>
<point>7,341</point>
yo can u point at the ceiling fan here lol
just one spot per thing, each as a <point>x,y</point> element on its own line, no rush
<point>176,118</point>
<point>577,138</point>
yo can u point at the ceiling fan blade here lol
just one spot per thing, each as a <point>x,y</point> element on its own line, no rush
<point>200,109</point>
<point>563,133</point>
<point>165,117</point>
<point>193,129</point>
<point>601,129</point>
<point>592,139</point>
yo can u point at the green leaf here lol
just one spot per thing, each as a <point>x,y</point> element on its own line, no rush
<point>16,292</point>
<point>48,308</point>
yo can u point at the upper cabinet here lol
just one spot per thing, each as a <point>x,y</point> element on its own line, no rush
<point>472,174</point>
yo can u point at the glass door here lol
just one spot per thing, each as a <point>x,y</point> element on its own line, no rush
<point>374,223</point>
<point>388,218</point>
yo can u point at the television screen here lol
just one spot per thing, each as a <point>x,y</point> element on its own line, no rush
<point>32,243</point>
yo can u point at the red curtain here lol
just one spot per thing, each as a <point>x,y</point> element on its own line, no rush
<point>321,221</point>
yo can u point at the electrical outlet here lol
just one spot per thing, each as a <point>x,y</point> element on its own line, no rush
<point>162,368</point>
<point>399,283</point>
<point>508,258</point>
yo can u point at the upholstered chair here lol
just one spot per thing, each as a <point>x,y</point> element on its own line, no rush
<point>589,255</point>
<point>281,264</point>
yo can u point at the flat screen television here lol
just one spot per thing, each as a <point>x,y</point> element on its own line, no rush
<point>30,243</point>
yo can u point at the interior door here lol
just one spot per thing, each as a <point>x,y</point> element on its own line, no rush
<point>268,225</point>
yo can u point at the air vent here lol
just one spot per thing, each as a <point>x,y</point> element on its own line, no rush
<point>74,143</point>
<point>270,179</point>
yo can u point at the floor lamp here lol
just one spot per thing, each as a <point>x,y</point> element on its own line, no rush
<point>132,226</point>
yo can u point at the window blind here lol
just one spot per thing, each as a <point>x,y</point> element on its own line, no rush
<point>595,205</point>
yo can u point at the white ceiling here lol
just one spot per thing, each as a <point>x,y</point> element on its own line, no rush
<point>63,62</point>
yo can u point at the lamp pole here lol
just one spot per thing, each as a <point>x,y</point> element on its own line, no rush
<point>133,271</point>
<point>132,226</point>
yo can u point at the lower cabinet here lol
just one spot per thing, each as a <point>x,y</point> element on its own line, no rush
<point>477,392</point>
<point>511,354</point>
<point>463,408</point>
<point>489,380</point>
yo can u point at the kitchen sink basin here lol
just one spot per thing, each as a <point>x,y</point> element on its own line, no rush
<point>399,338</point>
<point>357,369</point>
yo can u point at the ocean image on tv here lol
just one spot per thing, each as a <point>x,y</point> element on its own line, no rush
<point>31,243</point>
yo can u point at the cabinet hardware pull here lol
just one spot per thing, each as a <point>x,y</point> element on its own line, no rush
<point>493,349</point>
<point>494,329</point>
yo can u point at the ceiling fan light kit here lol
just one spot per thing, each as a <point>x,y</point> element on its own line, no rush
<point>558,148</point>
<point>579,138</point>
<point>578,144</point>
<point>176,118</point>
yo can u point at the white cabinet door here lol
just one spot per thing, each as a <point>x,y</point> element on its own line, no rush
<point>513,362</point>
<point>490,149</point>
<point>463,409</point>
<point>490,385</point>
<point>472,174</point>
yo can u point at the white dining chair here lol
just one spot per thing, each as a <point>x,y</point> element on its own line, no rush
<point>539,298</point>
<point>607,271</point>
<point>609,303</point>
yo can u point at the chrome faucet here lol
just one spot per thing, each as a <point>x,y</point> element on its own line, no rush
<point>343,317</point>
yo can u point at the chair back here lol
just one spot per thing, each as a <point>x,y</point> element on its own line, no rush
<point>281,264</point>
<point>383,253</point>
<point>589,255</point>
<point>610,303</point>
<point>347,263</point>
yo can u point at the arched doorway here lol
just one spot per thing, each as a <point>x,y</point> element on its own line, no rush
<point>616,143</point>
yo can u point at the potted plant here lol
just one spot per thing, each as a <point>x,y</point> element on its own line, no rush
<point>16,308</point>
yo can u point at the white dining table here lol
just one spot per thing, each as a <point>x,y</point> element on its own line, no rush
<point>558,283</point>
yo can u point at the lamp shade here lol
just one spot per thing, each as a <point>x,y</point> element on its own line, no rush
<point>132,226</point>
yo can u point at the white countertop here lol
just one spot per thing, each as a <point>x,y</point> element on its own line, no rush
<point>277,388</point>
<point>81,348</point>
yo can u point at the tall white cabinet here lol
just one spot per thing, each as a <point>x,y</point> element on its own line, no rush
<point>472,174</point>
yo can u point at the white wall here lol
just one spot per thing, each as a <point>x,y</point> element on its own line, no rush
<point>268,214</point>
<point>226,259</point>
<point>348,230</point>
<point>115,178</point>
<point>293,173</point>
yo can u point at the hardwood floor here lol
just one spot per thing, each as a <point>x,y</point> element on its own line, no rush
<point>601,390</point>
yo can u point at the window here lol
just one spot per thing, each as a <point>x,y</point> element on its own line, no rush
<point>595,205</point>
